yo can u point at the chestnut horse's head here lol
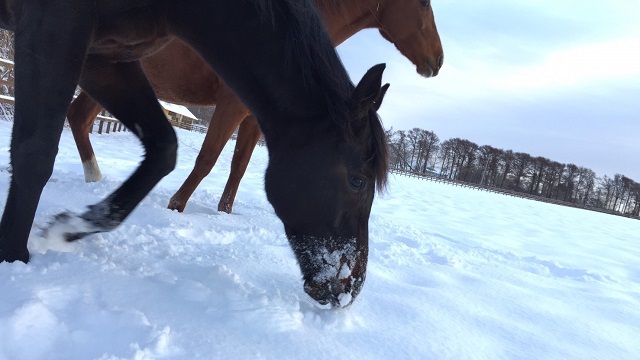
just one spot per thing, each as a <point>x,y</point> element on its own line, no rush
<point>410,26</point>
<point>321,184</point>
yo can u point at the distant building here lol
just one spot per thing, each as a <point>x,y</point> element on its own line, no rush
<point>179,115</point>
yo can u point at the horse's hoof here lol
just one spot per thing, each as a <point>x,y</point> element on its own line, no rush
<point>225,207</point>
<point>68,227</point>
<point>175,204</point>
<point>6,256</point>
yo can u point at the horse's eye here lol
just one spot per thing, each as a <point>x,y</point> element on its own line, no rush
<point>356,182</point>
<point>424,3</point>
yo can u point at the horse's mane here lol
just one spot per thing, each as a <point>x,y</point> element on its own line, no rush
<point>380,145</point>
<point>322,67</point>
<point>307,39</point>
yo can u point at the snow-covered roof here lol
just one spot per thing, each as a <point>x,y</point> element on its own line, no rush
<point>178,109</point>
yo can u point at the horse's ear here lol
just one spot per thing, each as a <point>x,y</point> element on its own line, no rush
<point>368,90</point>
<point>378,101</point>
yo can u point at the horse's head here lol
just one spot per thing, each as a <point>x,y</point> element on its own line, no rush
<point>410,26</point>
<point>322,189</point>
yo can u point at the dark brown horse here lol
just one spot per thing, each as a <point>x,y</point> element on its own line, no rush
<point>327,148</point>
<point>179,75</point>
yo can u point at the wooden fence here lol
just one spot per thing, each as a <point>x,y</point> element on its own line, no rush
<point>261,141</point>
<point>103,119</point>
<point>493,189</point>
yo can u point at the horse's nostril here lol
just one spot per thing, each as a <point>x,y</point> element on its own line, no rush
<point>440,61</point>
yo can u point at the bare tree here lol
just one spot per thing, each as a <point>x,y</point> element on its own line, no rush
<point>447,156</point>
<point>398,150</point>
<point>618,191</point>
<point>6,72</point>
<point>539,166</point>
<point>606,185</point>
<point>635,193</point>
<point>430,144</point>
<point>6,44</point>
<point>521,169</point>
<point>506,161</point>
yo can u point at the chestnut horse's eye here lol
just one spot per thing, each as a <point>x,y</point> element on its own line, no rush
<point>356,182</point>
<point>425,3</point>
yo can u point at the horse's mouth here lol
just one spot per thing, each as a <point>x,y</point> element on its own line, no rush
<point>331,292</point>
<point>426,73</point>
<point>338,290</point>
<point>429,69</point>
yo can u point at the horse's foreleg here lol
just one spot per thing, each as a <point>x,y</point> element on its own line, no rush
<point>49,56</point>
<point>124,91</point>
<point>81,113</point>
<point>248,136</point>
<point>229,113</point>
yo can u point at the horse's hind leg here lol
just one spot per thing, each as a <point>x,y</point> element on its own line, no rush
<point>49,56</point>
<point>229,113</point>
<point>248,135</point>
<point>123,90</point>
<point>81,113</point>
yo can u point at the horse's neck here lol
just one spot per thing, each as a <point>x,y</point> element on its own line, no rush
<point>346,18</point>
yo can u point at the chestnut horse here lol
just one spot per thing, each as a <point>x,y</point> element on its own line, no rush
<point>179,75</point>
<point>327,148</point>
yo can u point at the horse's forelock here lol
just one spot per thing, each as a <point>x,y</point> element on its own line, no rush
<point>380,148</point>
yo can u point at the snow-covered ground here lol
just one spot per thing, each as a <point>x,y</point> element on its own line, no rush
<point>453,274</point>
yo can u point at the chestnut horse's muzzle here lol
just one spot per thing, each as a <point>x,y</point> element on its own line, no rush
<point>429,69</point>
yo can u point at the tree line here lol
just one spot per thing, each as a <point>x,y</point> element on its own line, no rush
<point>421,151</point>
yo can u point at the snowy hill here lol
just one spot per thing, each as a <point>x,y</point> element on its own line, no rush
<point>453,274</point>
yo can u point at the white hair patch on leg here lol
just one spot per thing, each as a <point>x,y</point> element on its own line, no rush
<point>92,171</point>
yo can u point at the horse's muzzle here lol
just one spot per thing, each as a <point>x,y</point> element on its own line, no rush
<point>429,68</point>
<point>339,290</point>
<point>332,292</point>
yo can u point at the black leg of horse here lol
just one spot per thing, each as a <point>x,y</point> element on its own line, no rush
<point>49,57</point>
<point>123,90</point>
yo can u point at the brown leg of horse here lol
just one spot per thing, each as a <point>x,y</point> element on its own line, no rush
<point>81,113</point>
<point>229,112</point>
<point>248,136</point>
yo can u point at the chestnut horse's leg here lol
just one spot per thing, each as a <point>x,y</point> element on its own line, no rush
<point>229,113</point>
<point>124,91</point>
<point>50,52</point>
<point>248,135</point>
<point>81,113</point>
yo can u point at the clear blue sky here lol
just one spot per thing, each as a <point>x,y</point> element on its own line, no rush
<point>559,79</point>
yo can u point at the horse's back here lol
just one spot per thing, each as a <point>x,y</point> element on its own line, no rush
<point>129,30</point>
